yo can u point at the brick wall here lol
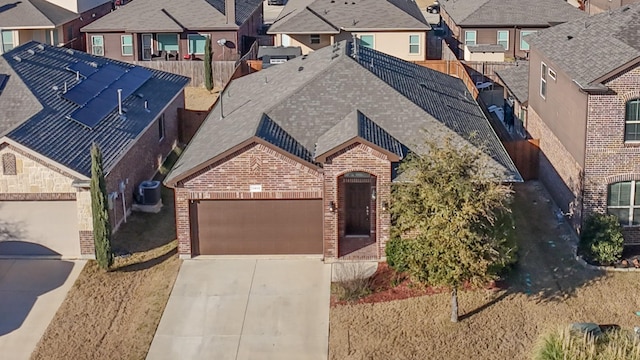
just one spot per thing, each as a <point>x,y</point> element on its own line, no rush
<point>559,171</point>
<point>609,159</point>
<point>143,159</point>
<point>280,176</point>
<point>357,157</point>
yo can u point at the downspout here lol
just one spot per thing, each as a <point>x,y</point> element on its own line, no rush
<point>515,32</point>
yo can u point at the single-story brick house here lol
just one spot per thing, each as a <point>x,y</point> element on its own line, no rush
<point>56,103</point>
<point>299,158</point>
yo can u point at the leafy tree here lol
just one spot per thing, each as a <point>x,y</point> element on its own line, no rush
<point>100,210</point>
<point>450,212</point>
<point>208,74</point>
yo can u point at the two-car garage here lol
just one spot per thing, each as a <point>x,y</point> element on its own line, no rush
<point>257,227</point>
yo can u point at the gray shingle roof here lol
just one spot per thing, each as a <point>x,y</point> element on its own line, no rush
<point>516,79</point>
<point>591,48</point>
<point>64,141</point>
<point>510,12</point>
<point>314,96</point>
<point>275,51</point>
<point>172,16</point>
<point>33,13</point>
<point>329,16</point>
<point>16,100</point>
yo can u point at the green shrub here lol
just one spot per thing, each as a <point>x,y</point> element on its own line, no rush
<point>564,344</point>
<point>398,251</point>
<point>504,229</point>
<point>601,240</point>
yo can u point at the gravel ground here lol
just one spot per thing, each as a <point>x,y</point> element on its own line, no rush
<point>548,288</point>
<point>199,98</point>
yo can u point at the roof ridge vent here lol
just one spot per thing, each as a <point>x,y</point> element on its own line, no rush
<point>40,47</point>
<point>31,52</point>
<point>93,64</point>
<point>69,51</point>
<point>17,58</point>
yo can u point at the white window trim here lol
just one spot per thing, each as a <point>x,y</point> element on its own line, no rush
<point>475,37</point>
<point>543,71</point>
<point>418,44</point>
<point>122,45</point>
<point>629,122</point>
<point>101,46</point>
<point>631,207</point>
<point>527,32</point>
<point>498,37</point>
<point>373,39</point>
<point>189,43</point>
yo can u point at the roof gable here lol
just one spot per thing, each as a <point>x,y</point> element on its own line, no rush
<point>33,13</point>
<point>50,132</point>
<point>510,12</point>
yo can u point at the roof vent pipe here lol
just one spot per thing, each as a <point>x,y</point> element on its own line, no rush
<point>77,75</point>
<point>146,106</point>
<point>120,101</point>
<point>354,51</point>
<point>65,87</point>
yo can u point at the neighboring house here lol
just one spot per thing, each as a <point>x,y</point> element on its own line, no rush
<point>516,83</point>
<point>394,27</point>
<point>273,55</point>
<point>53,22</point>
<point>47,134</point>
<point>502,22</point>
<point>295,159</point>
<point>484,52</point>
<point>593,7</point>
<point>584,106</point>
<point>176,30</point>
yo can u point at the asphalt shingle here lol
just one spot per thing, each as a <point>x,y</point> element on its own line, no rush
<point>510,12</point>
<point>591,48</point>
<point>33,14</point>
<point>516,78</point>
<point>315,99</point>
<point>172,16</point>
<point>49,131</point>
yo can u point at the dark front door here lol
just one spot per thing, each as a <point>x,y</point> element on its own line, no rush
<point>357,201</point>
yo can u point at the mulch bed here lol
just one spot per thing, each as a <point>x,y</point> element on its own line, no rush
<point>383,289</point>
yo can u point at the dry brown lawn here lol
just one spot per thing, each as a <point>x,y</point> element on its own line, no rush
<point>114,315</point>
<point>502,324</point>
<point>199,98</point>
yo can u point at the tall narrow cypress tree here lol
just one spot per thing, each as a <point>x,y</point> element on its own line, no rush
<point>100,211</point>
<point>208,74</point>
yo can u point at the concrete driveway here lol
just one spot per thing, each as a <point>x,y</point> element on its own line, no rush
<point>30,293</point>
<point>246,309</point>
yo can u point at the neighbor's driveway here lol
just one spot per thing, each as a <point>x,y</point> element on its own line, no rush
<point>30,293</point>
<point>246,309</point>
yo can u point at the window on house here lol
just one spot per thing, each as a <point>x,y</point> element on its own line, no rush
<point>470,37</point>
<point>69,33</point>
<point>414,44</point>
<point>623,201</point>
<point>197,43</point>
<point>632,121</point>
<point>523,44</point>
<point>127,44</point>
<point>503,39</point>
<point>161,128</point>
<point>168,42</point>
<point>314,39</point>
<point>552,74</point>
<point>543,80</point>
<point>367,41</point>
<point>9,164</point>
<point>7,40</point>
<point>53,37</point>
<point>97,45</point>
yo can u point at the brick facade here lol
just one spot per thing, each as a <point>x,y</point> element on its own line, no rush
<point>282,177</point>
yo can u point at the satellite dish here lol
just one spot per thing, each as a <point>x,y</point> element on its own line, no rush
<point>221,42</point>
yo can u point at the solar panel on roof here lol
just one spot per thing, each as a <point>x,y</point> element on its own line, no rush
<point>84,68</point>
<point>108,73</point>
<point>96,110</point>
<point>94,84</point>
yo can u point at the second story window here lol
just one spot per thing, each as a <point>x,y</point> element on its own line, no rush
<point>127,44</point>
<point>632,121</point>
<point>470,37</point>
<point>314,39</point>
<point>97,45</point>
<point>523,44</point>
<point>543,80</point>
<point>503,39</point>
<point>414,44</point>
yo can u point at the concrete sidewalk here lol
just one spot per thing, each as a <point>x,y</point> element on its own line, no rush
<point>31,292</point>
<point>246,309</point>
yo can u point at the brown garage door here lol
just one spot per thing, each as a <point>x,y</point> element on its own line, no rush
<point>258,227</point>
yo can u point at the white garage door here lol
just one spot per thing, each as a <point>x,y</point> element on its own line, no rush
<point>39,228</point>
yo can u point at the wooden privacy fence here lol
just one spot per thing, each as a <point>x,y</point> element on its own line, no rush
<point>524,154</point>
<point>453,68</point>
<point>222,70</point>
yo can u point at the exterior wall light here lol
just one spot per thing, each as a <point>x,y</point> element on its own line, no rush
<point>332,206</point>
<point>385,206</point>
